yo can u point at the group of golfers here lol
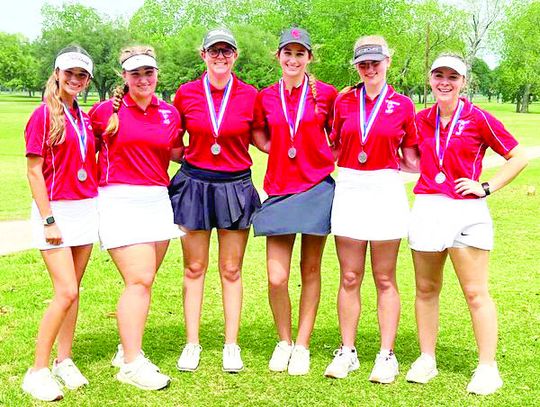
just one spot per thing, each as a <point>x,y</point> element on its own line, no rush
<point>102,176</point>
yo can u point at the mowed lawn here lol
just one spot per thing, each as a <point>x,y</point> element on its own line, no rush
<point>25,290</point>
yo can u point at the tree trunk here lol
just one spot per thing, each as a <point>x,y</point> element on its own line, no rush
<point>85,95</point>
<point>525,99</point>
<point>518,104</point>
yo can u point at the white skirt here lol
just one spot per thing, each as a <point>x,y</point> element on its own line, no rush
<point>131,214</point>
<point>76,219</point>
<point>439,222</point>
<point>370,205</point>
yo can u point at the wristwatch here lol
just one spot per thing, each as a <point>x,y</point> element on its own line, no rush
<point>487,191</point>
<point>49,220</point>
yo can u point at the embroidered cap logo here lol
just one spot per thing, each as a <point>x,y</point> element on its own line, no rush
<point>295,34</point>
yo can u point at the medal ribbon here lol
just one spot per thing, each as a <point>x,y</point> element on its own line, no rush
<point>216,122</point>
<point>293,127</point>
<point>440,152</point>
<point>80,130</point>
<point>365,127</point>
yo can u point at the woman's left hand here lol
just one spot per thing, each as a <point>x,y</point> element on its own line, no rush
<point>466,186</point>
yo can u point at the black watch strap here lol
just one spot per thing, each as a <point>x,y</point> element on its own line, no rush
<point>487,191</point>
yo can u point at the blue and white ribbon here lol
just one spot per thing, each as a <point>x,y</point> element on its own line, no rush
<point>293,126</point>
<point>440,152</point>
<point>216,121</point>
<point>80,130</point>
<point>365,126</point>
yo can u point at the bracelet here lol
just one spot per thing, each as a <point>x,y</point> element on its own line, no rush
<point>485,185</point>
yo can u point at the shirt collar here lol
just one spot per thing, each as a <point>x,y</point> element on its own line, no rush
<point>129,102</point>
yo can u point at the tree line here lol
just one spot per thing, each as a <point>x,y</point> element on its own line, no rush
<point>417,31</point>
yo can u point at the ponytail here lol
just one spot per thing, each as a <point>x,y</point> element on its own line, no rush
<point>313,86</point>
<point>114,121</point>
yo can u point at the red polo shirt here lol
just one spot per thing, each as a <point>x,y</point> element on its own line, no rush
<point>139,153</point>
<point>475,131</point>
<point>61,162</point>
<point>393,128</point>
<point>235,130</point>
<point>313,161</point>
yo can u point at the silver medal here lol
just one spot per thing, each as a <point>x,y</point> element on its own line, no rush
<point>82,175</point>
<point>292,152</point>
<point>362,157</point>
<point>440,178</point>
<point>215,149</point>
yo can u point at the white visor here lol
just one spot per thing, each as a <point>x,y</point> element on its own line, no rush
<point>70,60</point>
<point>450,62</point>
<point>137,61</point>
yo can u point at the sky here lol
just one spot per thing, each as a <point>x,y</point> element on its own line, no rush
<point>24,16</point>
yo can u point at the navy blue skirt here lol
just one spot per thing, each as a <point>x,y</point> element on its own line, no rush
<point>205,199</point>
<point>306,212</point>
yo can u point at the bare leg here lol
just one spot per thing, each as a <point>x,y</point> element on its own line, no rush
<point>137,264</point>
<point>471,265</point>
<point>383,263</point>
<point>232,246</point>
<point>428,267</point>
<point>81,255</point>
<point>195,246</point>
<point>278,255</point>
<point>61,269</point>
<point>352,258</point>
<point>310,267</point>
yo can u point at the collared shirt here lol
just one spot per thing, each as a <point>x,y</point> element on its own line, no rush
<point>313,161</point>
<point>475,131</point>
<point>234,133</point>
<point>393,128</point>
<point>62,162</point>
<point>139,153</point>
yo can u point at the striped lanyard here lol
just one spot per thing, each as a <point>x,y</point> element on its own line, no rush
<point>80,130</point>
<point>441,151</point>
<point>216,121</point>
<point>365,126</point>
<point>293,126</point>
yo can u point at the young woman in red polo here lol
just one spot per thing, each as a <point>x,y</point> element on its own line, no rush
<point>213,190</point>
<point>292,117</point>
<point>374,133</point>
<point>137,133</point>
<point>450,217</point>
<point>62,173</point>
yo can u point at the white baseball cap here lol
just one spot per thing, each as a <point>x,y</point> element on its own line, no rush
<point>451,62</point>
<point>74,59</point>
<point>138,61</point>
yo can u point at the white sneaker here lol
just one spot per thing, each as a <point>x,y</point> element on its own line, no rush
<point>69,374</point>
<point>486,380</point>
<point>232,362</point>
<point>143,374</point>
<point>280,357</point>
<point>422,370</point>
<point>41,385</point>
<point>118,358</point>
<point>299,362</point>
<point>345,361</point>
<point>386,368</point>
<point>190,358</point>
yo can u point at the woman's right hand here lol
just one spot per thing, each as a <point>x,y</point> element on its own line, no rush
<point>53,235</point>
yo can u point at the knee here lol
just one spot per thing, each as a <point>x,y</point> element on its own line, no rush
<point>385,284</point>
<point>277,281</point>
<point>67,296</point>
<point>351,280</point>
<point>427,290</point>
<point>142,283</point>
<point>476,297</point>
<point>310,270</point>
<point>195,270</point>
<point>230,272</point>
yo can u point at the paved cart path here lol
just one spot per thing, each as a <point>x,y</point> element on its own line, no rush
<point>16,235</point>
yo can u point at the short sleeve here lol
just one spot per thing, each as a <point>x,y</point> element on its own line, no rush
<point>178,129</point>
<point>337,120</point>
<point>36,131</point>
<point>411,131</point>
<point>332,95</point>
<point>259,117</point>
<point>495,134</point>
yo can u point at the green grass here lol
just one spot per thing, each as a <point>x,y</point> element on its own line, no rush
<point>15,110</point>
<point>515,286</point>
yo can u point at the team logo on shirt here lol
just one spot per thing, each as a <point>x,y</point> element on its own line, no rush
<point>390,105</point>
<point>461,126</point>
<point>165,113</point>
<point>87,123</point>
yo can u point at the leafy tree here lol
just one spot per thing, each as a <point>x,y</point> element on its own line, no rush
<point>18,67</point>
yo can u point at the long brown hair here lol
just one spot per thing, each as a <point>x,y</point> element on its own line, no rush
<point>55,106</point>
<point>119,92</point>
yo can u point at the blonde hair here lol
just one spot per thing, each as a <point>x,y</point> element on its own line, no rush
<point>118,93</point>
<point>51,97</point>
<point>367,40</point>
